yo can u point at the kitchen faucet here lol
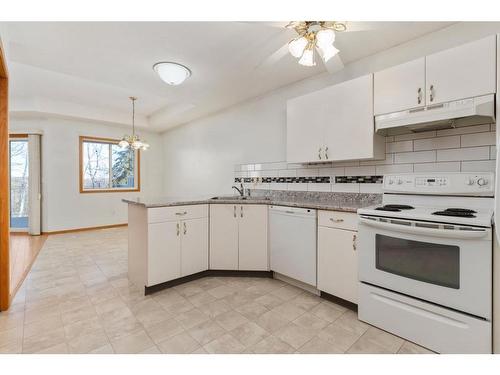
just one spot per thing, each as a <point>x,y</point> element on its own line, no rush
<point>240,190</point>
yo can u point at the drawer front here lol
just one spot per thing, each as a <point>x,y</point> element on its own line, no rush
<point>336,219</point>
<point>160,214</point>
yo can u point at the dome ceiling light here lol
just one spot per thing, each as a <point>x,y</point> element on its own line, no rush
<point>172,73</point>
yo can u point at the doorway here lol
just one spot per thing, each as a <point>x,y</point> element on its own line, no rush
<point>19,183</point>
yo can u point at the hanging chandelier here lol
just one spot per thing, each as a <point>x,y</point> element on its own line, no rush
<point>133,141</point>
<point>313,35</point>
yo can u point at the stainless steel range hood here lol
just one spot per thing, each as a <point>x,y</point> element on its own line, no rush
<point>466,112</point>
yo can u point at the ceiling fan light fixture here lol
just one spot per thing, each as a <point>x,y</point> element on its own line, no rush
<point>307,58</point>
<point>325,38</point>
<point>328,52</point>
<point>296,46</point>
<point>172,73</point>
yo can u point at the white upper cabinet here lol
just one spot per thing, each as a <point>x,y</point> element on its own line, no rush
<point>400,87</point>
<point>349,131</point>
<point>462,72</point>
<point>305,121</point>
<point>335,123</point>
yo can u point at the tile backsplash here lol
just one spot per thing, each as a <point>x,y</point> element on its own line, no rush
<point>464,149</point>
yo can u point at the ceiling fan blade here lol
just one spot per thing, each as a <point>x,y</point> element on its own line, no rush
<point>276,56</point>
<point>334,65</point>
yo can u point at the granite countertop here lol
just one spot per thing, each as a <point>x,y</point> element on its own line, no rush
<point>346,202</point>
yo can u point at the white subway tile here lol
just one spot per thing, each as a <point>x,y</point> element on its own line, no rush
<point>451,166</point>
<point>493,127</point>
<point>261,186</point>
<point>436,143</point>
<point>237,167</point>
<point>338,171</point>
<point>277,186</point>
<point>346,164</point>
<point>319,187</point>
<point>403,146</point>
<point>464,130</point>
<point>247,167</point>
<point>345,188</point>
<point>394,168</point>
<point>360,171</point>
<point>411,136</point>
<point>389,159</point>
<point>415,157</point>
<point>274,166</point>
<point>287,173</point>
<point>389,139</point>
<point>269,173</point>
<point>493,152</point>
<point>478,166</point>
<point>254,174</point>
<point>295,166</point>
<point>478,139</point>
<point>307,172</point>
<point>370,188</point>
<point>240,174</point>
<point>470,153</point>
<point>296,187</point>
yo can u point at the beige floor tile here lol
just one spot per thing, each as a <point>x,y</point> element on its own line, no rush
<point>221,291</point>
<point>349,320</point>
<point>106,349</point>
<point>191,318</point>
<point>149,312</point>
<point>311,321</point>
<point>411,348</point>
<point>87,342</point>
<point>187,290</point>
<point>230,320</point>
<point>37,314</point>
<point>102,296</point>
<point>164,330</point>
<point>272,345</point>
<point>115,316</point>
<point>225,344</point>
<point>77,315</point>
<point>306,300</point>
<point>208,283</point>
<point>363,346</point>
<point>295,335</point>
<point>206,332</point>
<point>327,312</point>
<point>319,346</point>
<point>271,321</point>
<point>179,307</point>
<point>151,350</point>
<point>289,310</point>
<point>215,308</point>
<point>338,336</point>
<point>249,333</point>
<point>252,310</point>
<point>56,349</point>
<point>82,327</point>
<point>122,328</point>
<point>182,343</point>
<point>287,292</point>
<point>11,341</point>
<point>74,303</point>
<point>43,326</point>
<point>269,301</point>
<point>134,343</point>
<point>43,341</point>
<point>385,339</point>
<point>109,305</point>
<point>201,299</point>
<point>200,350</point>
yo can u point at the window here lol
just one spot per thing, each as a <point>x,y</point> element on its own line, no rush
<point>106,167</point>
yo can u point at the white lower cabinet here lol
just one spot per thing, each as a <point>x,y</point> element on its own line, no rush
<point>337,255</point>
<point>238,237</point>
<point>176,248</point>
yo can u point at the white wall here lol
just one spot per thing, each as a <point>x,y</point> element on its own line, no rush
<point>200,156</point>
<point>63,206</point>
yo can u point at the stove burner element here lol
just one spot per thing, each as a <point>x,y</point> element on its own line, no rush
<point>394,207</point>
<point>456,212</point>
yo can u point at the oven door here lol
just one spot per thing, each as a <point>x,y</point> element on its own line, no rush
<point>450,265</point>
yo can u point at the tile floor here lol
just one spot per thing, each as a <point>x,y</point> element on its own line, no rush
<point>77,299</point>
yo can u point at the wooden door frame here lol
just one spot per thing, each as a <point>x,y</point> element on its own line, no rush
<point>4,186</point>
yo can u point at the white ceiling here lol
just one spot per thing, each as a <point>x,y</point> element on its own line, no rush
<point>98,65</point>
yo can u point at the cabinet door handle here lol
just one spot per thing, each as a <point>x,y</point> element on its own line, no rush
<point>181,213</point>
<point>185,227</point>
<point>354,245</point>
<point>419,95</point>
<point>431,93</point>
<point>336,220</point>
<point>234,212</point>
<point>319,153</point>
<point>178,229</point>
<point>326,152</point>
<point>241,211</point>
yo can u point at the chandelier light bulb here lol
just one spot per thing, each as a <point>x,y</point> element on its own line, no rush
<point>123,143</point>
<point>325,38</point>
<point>296,46</point>
<point>307,58</point>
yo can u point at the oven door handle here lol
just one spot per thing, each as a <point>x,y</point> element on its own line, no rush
<point>445,233</point>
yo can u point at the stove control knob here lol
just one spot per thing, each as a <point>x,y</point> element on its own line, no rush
<point>470,181</point>
<point>482,181</point>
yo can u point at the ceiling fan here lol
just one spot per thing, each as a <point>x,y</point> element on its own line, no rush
<point>313,38</point>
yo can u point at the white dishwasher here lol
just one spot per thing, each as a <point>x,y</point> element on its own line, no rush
<point>292,240</point>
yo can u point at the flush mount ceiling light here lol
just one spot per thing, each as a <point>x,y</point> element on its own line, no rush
<point>133,141</point>
<point>172,73</point>
<point>314,34</point>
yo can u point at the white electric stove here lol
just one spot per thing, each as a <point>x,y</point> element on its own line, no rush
<point>425,260</point>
